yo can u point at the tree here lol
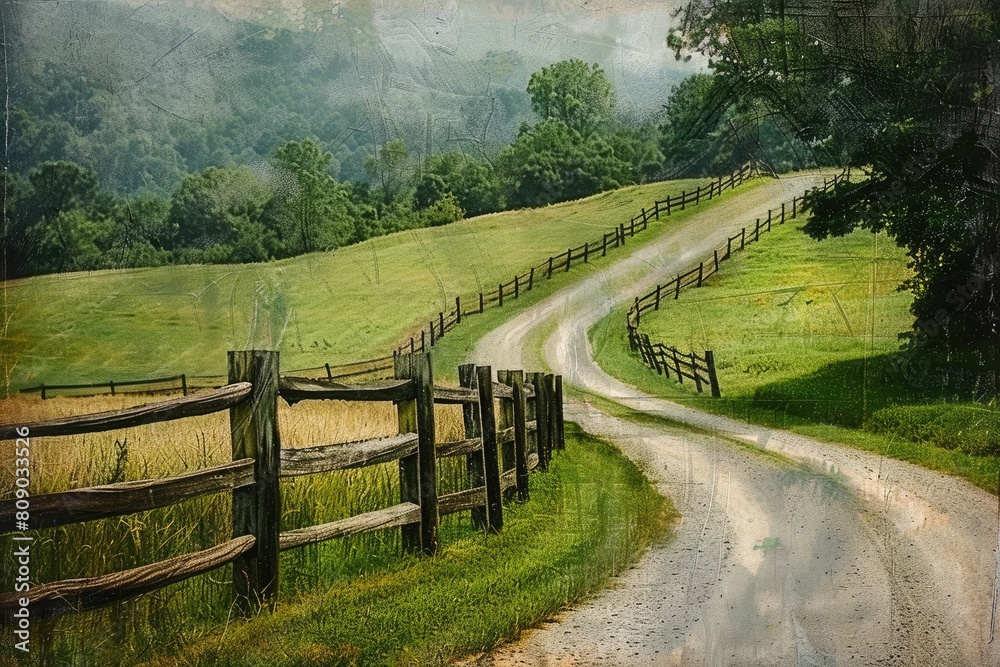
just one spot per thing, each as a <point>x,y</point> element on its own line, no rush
<point>474,184</point>
<point>573,92</point>
<point>388,166</point>
<point>219,212</point>
<point>551,162</point>
<point>310,210</point>
<point>908,92</point>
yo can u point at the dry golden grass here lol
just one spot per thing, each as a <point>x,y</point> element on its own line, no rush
<point>182,611</point>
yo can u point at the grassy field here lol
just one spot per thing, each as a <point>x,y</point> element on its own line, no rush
<point>355,302</point>
<point>803,333</point>
<point>357,598</point>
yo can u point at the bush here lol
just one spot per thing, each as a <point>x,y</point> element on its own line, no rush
<point>967,428</point>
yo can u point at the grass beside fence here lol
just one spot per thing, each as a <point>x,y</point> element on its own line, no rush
<point>803,334</point>
<point>590,517</point>
<point>353,303</point>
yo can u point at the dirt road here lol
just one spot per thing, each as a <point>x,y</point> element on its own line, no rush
<point>790,551</point>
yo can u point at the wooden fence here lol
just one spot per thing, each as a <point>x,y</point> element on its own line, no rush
<point>476,304</point>
<point>501,445</point>
<point>666,359</point>
<point>464,307</point>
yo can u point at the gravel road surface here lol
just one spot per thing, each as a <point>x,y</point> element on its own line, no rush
<point>790,551</point>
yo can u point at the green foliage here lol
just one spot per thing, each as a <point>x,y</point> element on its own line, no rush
<point>218,213</point>
<point>971,429</point>
<point>589,518</point>
<point>910,107</point>
<point>706,132</point>
<point>552,162</point>
<point>573,92</point>
<point>475,185</point>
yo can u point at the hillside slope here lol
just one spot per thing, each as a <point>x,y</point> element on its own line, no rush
<point>353,303</point>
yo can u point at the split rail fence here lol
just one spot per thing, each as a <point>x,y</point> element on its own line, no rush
<point>436,327</point>
<point>700,369</point>
<point>464,307</point>
<point>512,426</point>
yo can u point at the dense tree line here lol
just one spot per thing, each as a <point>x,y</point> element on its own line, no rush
<point>61,218</point>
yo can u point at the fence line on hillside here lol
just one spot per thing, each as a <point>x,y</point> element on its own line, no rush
<point>436,328</point>
<point>445,321</point>
<point>500,446</point>
<point>666,359</point>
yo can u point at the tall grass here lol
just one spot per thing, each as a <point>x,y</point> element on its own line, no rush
<point>165,620</point>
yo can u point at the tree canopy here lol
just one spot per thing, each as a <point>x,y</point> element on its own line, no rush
<point>573,92</point>
<point>909,93</point>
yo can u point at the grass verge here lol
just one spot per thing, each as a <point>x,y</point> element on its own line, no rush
<point>803,334</point>
<point>589,518</point>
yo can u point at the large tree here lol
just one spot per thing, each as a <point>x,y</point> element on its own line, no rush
<point>578,94</point>
<point>908,92</point>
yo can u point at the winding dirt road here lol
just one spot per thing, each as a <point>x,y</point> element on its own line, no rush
<point>790,551</point>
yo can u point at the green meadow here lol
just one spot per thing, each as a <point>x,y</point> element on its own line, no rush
<point>805,333</point>
<point>353,303</point>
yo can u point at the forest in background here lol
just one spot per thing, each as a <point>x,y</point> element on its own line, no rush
<point>287,157</point>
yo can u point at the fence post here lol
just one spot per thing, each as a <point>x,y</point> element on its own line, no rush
<point>505,420</point>
<point>768,219</point>
<point>409,466</point>
<point>586,252</point>
<point>683,199</point>
<point>713,379</point>
<point>111,384</point>
<point>550,268</point>
<point>257,508</point>
<point>517,287</point>
<point>441,322</point>
<point>677,288</point>
<point>42,386</point>
<point>743,238</point>
<point>432,333</point>
<point>481,303</point>
<point>569,257</point>
<point>541,421</point>
<point>694,372</point>
<point>637,313</point>
<point>423,340</point>
<point>553,411</point>
<point>329,371</point>
<point>697,196</point>
<point>423,377</point>
<point>729,247</point>
<point>715,253</point>
<point>782,213</point>
<point>473,429</point>
<point>500,292</point>
<point>530,413</point>
<point>560,423</point>
<point>520,436</point>
<point>657,305</point>
<point>491,467</point>
<point>604,245</point>
<point>677,366</point>
<point>756,231</point>
<point>184,383</point>
<point>701,272</point>
<point>621,229</point>
<point>458,310</point>
<point>794,211</point>
<point>531,278</point>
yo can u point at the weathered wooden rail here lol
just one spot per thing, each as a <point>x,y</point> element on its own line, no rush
<point>464,306</point>
<point>512,425</point>
<point>467,306</point>
<point>700,369</point>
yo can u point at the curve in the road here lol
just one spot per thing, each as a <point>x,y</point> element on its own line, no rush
<point>823,555</point>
